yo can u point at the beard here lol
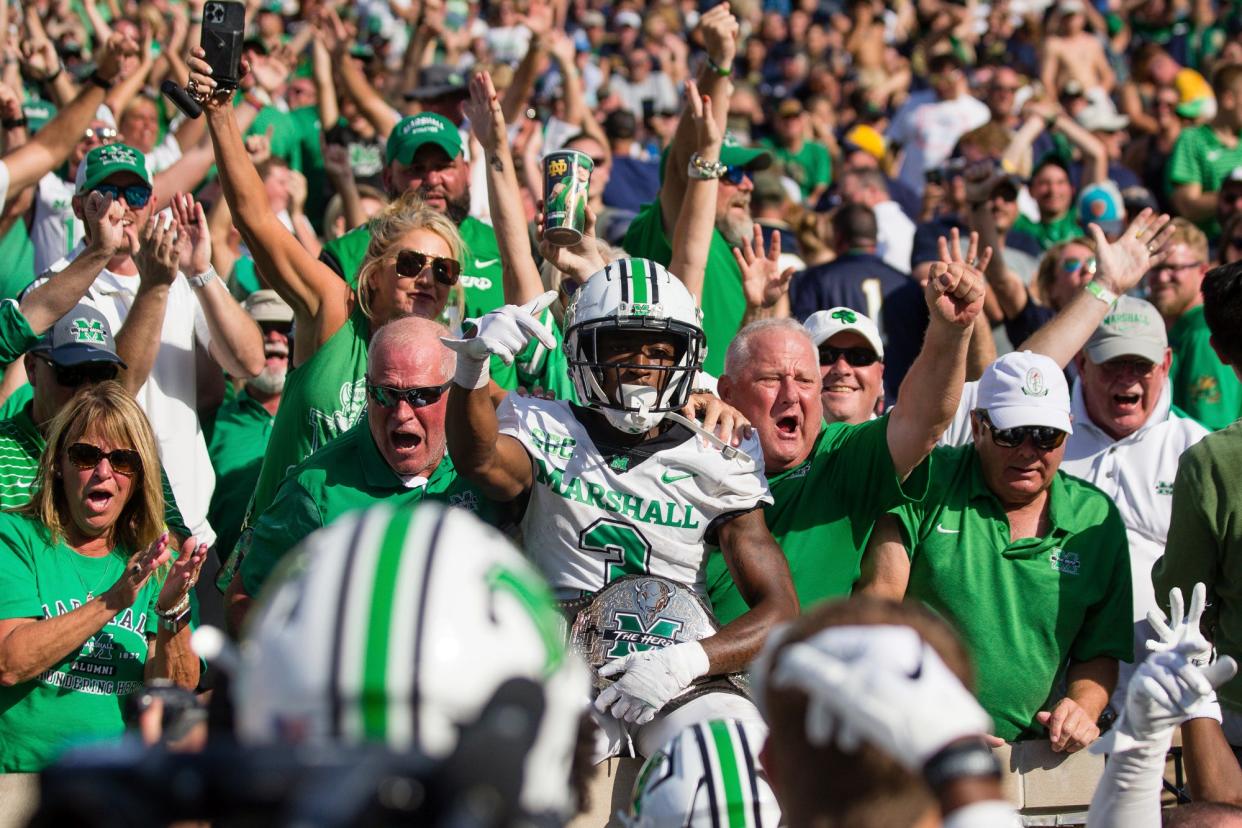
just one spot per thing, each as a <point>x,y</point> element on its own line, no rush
<point>735,229</point>
<point>457,209</point>
<point>269,381</point>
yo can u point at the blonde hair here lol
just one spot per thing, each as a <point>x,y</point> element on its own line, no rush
<point>401,217</point>
<point>1186,233</point>
<point>1046,275</point>
<point>107,410</point>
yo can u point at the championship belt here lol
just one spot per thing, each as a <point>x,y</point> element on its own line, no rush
<point>643,612</point>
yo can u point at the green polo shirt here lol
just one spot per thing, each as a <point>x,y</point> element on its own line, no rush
<point>347,474</point>
<point>1203,386</point>
<point>823,512</point>
<point>723,302</point>
<point>1200,158</point>
<point>1023,607</point>
<point>238,443</point>
<point>809,167</point>
<point>1048,233</point>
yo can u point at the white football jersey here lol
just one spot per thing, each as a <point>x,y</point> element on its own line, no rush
<point>592,519</point>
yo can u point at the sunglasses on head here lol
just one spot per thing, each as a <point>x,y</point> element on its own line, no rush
<point>86,373</point>
<point>1072,265</point>
<point>86,456</point>
<point>735,175</point>
<point>387,397</point>
<point>1045,438</point>
<point>104,134</point>
<point>410,263</point>
<point>135,195</point>
<point>856,357</point>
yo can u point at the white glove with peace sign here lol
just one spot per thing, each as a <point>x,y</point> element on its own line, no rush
<point>503,333</point>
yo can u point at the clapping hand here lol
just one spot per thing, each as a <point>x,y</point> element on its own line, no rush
<point>183,575</point>
<point>141,566</point>
<point>195,251</point>
<point>159,251</point>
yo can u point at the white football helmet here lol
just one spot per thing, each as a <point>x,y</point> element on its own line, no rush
<point>397,626</point>
<point>634,295</point>
<point>707,776</point>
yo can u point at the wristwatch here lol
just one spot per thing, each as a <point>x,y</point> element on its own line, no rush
<point>173,619</point>
<point>703,170</point>
<point>1100,292</point>
<point>204,278</point>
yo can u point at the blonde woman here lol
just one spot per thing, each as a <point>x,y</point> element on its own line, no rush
<point>411,266</point>
<point>90,607</point>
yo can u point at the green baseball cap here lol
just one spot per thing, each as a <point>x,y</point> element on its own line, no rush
<point>733,154</point>
<point>108,160</point>
<point>414,131</point>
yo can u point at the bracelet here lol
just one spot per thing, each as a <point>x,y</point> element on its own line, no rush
<point>52,77</point>
<point>959,760</point>
<point>1100,292</point>
<point>176,609</point>
<point>204,278</point>
<point>100,81</point>
<point>703,170</point>
<point>718,69</point>
<point>14,123</point>
<point>196,20</point>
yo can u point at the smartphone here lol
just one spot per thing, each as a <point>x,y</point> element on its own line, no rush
<point>224,28</point>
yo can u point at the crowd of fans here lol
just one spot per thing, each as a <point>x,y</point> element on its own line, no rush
<point>949,292</point>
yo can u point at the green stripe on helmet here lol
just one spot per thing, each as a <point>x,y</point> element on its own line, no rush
<point>374,693</point>
<point>536,600</point>
<point>730,774</point>
<point>639,273</point>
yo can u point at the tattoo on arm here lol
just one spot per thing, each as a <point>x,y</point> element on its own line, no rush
<point>497,164</point>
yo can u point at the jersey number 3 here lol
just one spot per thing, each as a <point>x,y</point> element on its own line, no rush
<point>624,549</point>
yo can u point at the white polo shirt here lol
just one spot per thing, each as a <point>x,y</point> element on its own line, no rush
<point>170,394</point>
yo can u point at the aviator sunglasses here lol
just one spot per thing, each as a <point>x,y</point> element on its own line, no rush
<point>410,263</point>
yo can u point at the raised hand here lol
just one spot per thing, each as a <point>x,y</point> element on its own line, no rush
<point>105,216</point>
<point>719,29</point>
<point>158,252</point>
<point>118,51</point>
<point>487,121</point>
<point>40,58</point>
<point>1121,265</point>
<point>578,261</point>
<point>202,87</point>
<point>539,18</point>
<point>763,281</point>
<point>141,566</point>
<point>183,575</point>
<point>259,147</point>
<point>195,250</point>
<point>1183,626</point>
<point>336,161</point>
<point>10,104</point>
<point>708,136</point>
<point>955,285</point>
<point>503,333</point>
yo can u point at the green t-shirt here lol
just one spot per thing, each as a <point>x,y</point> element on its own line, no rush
<point>1024,607</point>
<point>286,135</point>
<point>1203,386</point>
<point>1050,232</point>
<point>82,697</point>
<point>546,368</point>
<point>810,167</point>
<point>309,132</point>
<point>723,302</point>
<point>1200,158</point>
<point>1205,543</point>
<point>823,512</point>
<point>17,253</point>
<point>243,427</point>
<point>347,475</point>
<point>323,398</point>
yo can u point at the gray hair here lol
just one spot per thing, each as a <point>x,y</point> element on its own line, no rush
<point>412,333</point>
<point>740,351</point>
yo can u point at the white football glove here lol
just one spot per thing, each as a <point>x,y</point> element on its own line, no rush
<point>652,679</point>
<point>883,685</point>
<point>503,333</point>
<point>1183,626</point>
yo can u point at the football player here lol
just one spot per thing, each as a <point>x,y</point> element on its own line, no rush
<point>616,487</point>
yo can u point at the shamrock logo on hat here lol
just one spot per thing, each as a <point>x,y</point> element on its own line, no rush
<point>1033,385</point>
<point>846,316</point>
<point>88,331</point>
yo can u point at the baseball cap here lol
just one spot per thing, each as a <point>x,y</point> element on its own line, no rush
<point>436,82</point>
<point>868,139</point>
<point>108,160</point>
<point>591,19</point>
<point>1102,116</point>
<point>267,306</point>
<point>1070,7</point>
<point>1102,204</point>
<point>1023,388</point>
<point>629,18</point>
<point>81,335</point>
<point>414,131</point>
<point>733,154</point>
<point>1132,327</point>
<point>789,108</point>
<point>823,325</point>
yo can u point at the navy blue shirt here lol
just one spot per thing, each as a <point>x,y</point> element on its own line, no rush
<point>905,318</point>
<point>632,183</point>
<point>844,283</point>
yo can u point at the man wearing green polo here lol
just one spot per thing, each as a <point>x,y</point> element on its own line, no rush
<point>424,154</point>
<point>1030,564</point>
<point>830,482</point>
<point>396,455</point>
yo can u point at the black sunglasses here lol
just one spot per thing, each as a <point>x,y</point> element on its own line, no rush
<point>123,461</point>
<point>410,263</point>
<point>735,175</point>
<point>86,373</point>
<point>135,195</point>
<point>857,357</point>
<point>387,397</point>
<point>1045,438</point>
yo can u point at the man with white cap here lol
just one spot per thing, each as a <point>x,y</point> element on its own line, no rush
<point>851,364</point>
<point>1030,564</point>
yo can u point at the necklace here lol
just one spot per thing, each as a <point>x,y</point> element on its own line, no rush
<point>90,592</point>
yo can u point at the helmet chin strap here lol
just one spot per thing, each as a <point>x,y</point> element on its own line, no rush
<point>640,399</point>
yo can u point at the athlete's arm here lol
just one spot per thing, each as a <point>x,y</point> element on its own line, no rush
<point>495,462</point>
<point>762,576</point>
